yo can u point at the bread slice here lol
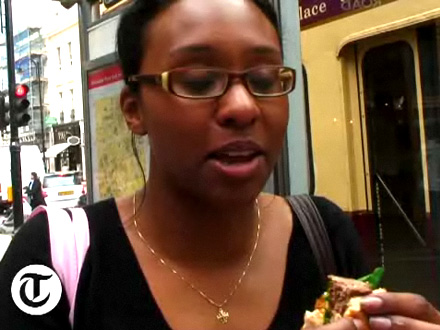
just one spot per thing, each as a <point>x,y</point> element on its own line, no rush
<point>342,299</point>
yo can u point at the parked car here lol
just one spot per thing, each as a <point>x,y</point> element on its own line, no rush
<point>64,189</point>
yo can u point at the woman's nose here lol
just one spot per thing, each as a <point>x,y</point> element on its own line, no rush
<point>237,108</point>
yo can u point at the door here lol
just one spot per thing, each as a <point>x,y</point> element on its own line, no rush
<point>393,130</point>
<point>397,164</point>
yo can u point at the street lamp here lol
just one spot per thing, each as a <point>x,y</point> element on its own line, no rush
<point>37,67</point>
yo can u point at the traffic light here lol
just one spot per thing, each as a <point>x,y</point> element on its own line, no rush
<point>67,3</point>
<point>4,116</point>
<point>21,105</point>
<point>110,3</point>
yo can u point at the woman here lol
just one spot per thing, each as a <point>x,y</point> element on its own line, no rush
<point>35,192</point>
<point>200,247</point>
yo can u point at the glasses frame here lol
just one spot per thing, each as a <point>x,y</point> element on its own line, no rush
<point>163,80</point>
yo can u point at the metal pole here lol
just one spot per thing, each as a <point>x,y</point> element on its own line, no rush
<point>84,21</point>
<point>43,147</point>
<point>15,141</point>
<point>297,136</point>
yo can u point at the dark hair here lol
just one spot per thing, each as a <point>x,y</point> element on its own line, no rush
<point>34,175</point>
<point>132,26</point>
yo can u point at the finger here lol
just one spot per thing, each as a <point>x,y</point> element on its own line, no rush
<point>342,324</point>
<point>400,323</point>
<point>404,304</point>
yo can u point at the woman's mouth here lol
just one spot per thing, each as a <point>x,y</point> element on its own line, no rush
<point>235,157</point>
<point>237,160</point>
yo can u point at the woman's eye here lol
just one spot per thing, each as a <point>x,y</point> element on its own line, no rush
<point>261,83</point>
<point>197,83</point>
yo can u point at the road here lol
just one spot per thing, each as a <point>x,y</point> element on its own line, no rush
<point>4,243</point>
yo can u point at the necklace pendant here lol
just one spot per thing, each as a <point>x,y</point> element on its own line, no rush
<point>222,316</point>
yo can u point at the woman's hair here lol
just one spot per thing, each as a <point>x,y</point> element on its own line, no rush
<point>132,29</point>
<point>34,175</point>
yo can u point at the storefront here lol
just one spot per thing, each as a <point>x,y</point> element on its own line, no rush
<point>69,157</point>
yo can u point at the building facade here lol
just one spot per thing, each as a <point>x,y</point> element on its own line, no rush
<point>373,73</point>
<point>55,109</point>
<point>30,69</point>
<point>65,115</point>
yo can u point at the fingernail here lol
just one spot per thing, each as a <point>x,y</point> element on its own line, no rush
<point>380,323</point>
<point>358,323</point>
<point>371,302</point>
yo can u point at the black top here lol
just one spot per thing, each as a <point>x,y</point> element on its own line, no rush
<point>113,294</point>
<point>35,194</point>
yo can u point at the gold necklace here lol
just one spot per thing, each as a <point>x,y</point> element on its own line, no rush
<point>222,314</point>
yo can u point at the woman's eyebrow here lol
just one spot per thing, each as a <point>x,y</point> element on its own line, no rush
<point>265,50</point>
<point>195,49</point>
<point>191,50</point>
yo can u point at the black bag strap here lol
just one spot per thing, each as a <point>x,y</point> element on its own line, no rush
<point>310,218</point>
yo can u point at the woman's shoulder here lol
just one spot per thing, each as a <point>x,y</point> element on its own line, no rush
<point>335,219</point>
<point>343,236</point>
<point>103,216</point>
<point>103,207</point>
<point>36,228</point>
<point>345,240</point>
<point>338,222</point>
<point>33,236</point>
<point>331,213</point>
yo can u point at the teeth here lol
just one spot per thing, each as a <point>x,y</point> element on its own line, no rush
<point>239,153</point>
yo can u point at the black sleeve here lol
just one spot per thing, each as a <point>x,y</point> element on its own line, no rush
<point>36,186</point>
<point>29,246</point>
<point>349,256</point>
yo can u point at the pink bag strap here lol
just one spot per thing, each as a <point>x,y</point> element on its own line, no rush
<point>69,242</point>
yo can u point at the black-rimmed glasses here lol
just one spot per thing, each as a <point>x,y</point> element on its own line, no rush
<point>202,83</point>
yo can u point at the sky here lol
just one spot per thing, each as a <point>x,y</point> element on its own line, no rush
<point>32,13</point>
<point>29,13</point>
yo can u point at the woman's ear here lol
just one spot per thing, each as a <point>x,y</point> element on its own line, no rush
<point>132,111</point>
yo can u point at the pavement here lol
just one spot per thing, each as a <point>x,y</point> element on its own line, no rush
<point>5,239</point>
<point>4,243</point>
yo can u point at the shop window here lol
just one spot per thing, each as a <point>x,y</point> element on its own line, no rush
<point>69,45</point>
<point>60,94</point>
<point>59,57</point>
<point>72,100</point>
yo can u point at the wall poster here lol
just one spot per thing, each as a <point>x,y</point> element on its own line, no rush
<point>115,171</point>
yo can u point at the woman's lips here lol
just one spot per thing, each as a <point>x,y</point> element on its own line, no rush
<point>237,158</point>
<point>237,165</point>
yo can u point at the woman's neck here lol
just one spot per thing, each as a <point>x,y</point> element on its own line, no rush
<point>185,231</point>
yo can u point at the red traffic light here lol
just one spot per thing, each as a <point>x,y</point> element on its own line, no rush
<point>21,91</point>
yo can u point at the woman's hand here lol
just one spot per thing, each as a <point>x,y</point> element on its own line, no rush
<point>400,311</point>
<point>342,324</point>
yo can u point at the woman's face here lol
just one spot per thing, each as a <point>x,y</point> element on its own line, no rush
<point>222,148</point>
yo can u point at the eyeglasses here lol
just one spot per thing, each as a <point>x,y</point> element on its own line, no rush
<point>203,83</point>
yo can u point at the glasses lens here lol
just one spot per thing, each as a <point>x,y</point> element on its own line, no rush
<point>270,81</point>
<point>198,83</point>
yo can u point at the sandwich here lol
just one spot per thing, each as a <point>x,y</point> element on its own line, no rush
<point>343,299</point>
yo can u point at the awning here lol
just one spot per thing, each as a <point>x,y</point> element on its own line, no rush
<point>54,150</point>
